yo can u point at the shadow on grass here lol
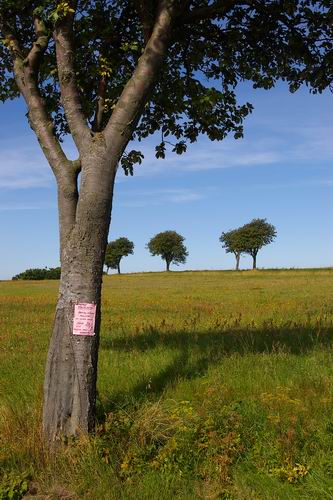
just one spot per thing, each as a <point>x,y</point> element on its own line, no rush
<point>198,350</point>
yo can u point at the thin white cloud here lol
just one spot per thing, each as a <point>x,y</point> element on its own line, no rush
<point>23,165</point>
<point>315,143</point>
<point>24,206</point>
<point>325,182</point>
<point>185,197</point>
<point>308,183</point>
<point>158,197</point>
<point>262,147</point>
<point>202,157</point>
<point>26,167</point>
<point>23,168</point>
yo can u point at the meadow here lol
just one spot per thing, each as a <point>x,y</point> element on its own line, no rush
<point>212,385</point>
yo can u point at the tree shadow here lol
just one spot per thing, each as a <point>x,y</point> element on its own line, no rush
<point>198,350</point>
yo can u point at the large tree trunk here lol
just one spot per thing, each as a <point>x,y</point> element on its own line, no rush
<point>167,265</point>
<point>71,371</point>
<point>118,267</point>
<point>254,261</point>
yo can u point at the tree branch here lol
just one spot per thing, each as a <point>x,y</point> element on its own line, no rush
<point>127,111</point>
<point>100,106</point>
<point>76,165</point>
<point>68,196</point>
<point>218,9</point>
<point>39,46</point>
<point>77,123</point>
<point>40,121</point>
<point>146,11</point>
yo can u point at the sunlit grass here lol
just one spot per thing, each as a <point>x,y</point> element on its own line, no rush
<point>211,385</point>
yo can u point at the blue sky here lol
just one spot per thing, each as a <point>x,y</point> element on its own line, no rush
<point>281,170</point>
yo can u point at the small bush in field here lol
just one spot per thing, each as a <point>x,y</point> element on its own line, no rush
<point>51,273</point>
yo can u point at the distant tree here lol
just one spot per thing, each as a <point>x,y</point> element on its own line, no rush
<point>254,235</point>
<point>169,245</point>
<point>231,241</point>
<point>116,250</point>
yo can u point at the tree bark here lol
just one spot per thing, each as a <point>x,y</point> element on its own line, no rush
<point>167,265</point>
<point>237,255</point>
<point>118,267</point>
<point>254,261</point>
<point>71,370</point>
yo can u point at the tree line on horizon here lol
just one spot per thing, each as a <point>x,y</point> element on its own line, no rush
<point>169,245</point>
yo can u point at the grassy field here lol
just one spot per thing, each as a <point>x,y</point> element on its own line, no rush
<point>211,385</point>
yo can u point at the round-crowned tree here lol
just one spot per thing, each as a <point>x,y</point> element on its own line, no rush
<point>170,246</point>
<point>255,235</point>
<point>116,250</point>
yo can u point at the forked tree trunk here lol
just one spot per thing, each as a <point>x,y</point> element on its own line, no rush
<point>71,371</point>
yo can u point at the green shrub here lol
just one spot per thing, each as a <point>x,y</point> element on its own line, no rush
<point>51,273</point>
<point>14,486</point>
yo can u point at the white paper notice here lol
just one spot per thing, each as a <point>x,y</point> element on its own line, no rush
<point>84,319</point>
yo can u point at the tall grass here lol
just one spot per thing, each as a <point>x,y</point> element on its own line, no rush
<point>211,385</point>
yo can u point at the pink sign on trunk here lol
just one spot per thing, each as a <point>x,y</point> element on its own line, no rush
<point>84,319</point>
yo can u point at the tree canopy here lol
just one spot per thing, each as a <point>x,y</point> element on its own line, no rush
<point>170,246</point>
<point>87,51</point>
<point>116,250</point>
